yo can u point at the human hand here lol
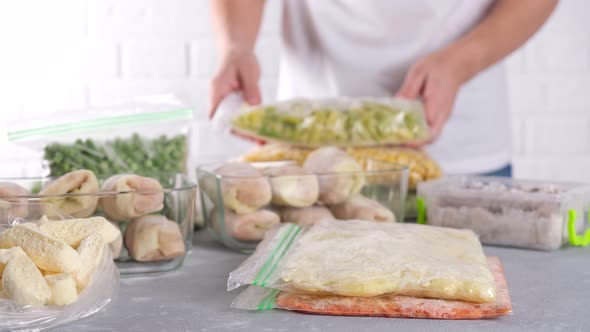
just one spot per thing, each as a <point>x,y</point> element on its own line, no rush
<point>238,71</point>
<point>436,79</point>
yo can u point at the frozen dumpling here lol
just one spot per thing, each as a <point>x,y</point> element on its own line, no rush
<point>76,182</point>
<point>144,195</point>
<point>246,227</point>
<point>360,207</point>
<point>339,175</point>
<point>14,195</point>
<point>307,215</point>
<point>243,187</point>
<point>153,238</point>
<point>292,186</point>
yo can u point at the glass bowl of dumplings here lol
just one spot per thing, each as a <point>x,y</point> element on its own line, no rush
<point>241,201</point>
<point>155,214</point>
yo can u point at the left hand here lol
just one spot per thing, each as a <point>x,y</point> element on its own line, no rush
<point>436,78</point>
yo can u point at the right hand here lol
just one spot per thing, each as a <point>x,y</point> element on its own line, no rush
<point>239,71</point>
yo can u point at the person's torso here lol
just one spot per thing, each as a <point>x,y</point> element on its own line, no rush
<point>364,48</point>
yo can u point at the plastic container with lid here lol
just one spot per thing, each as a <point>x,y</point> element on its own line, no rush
<point>508,212</point>
<point>379,196</point>
<point>178,206</point>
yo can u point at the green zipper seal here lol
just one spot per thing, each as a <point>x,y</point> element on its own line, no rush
<point>269,261</point>
<point>100,123</point>
<point>575,239</point>
<point>268,302</point>
<point>280,258</point>
<point>421,211</point>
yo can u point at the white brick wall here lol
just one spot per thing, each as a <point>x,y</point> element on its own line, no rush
<point>68,54</point>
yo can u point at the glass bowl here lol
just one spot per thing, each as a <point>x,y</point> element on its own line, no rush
<point>179,201</point>
<point>384,184</point>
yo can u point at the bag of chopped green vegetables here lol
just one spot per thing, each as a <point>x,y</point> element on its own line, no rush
<point>336,121</point>
<point>146,135</point>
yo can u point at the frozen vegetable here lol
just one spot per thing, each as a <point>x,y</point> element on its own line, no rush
<point>154,238</point>
<point>136,154</point>
<point>307,215</point>
<point>339,175</point>
<point>360,207</point>
<point>244,188</point>
<point>23,282</point>
<point>73,231</point>
<point>344,122</point>
<point>8,254</point>
<point>63,289</point>
<point>246,227</point>
<point>91,251</point>
<point>8,191</point>
<point>39,269</point>
<point>137,196</point>
<point>292,186</point>
<point>47,253</point>
<point>78,183</point>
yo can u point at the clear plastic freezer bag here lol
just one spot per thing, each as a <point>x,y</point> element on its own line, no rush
<point>146,135</point>
<point>100,292</point>
<point>331,121</point>
<point>258,298</point>
<point>367,259</point>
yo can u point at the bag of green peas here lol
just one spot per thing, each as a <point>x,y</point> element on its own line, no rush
<point>147,135</point>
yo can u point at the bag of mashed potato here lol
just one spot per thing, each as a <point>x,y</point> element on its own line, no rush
<point>367,259</point>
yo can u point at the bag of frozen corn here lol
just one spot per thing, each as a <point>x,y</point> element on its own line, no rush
<point>335,121</point>
<point>366,259</point>
<point>258,298</point>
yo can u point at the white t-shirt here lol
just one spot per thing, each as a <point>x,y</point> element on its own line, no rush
<point>364,48</point>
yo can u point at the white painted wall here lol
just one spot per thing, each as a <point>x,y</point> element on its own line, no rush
<point>74,54</point>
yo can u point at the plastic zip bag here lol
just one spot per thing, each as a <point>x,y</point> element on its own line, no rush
<point>258,298</point>
<point>367,259</point>
<point>100,292</point>
<point>332,121</point>
<point>146,135</point>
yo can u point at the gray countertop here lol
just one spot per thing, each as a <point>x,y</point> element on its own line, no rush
<point>550,292</point>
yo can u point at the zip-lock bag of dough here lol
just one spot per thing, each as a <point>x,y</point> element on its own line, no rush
<point>60,308</point>
<point>367,259</point>
<point>258,298</point>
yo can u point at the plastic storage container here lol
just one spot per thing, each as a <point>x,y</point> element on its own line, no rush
<point>179,201</point>
<point>381,197</point>
<point>507,212</point>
